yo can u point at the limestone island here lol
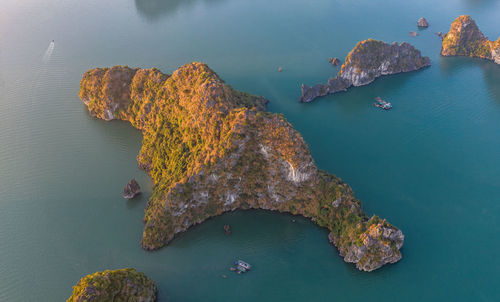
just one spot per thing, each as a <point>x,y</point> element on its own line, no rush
<point>131,189</point>
<point>368,60</point>
<point>117,285</point>
<point>211,149</point>
<point>422,22</point>
<point>465,39</point>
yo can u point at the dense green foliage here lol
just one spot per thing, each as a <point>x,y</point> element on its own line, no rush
<point>210,149</point>
<point>370,55</point>
<point>125,285</point>
<point>465,39</point>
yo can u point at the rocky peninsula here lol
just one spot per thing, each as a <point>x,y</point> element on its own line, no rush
<point>117,285</point>
<point>465,39</point>
<point>211,149</point>
<point>368,60</point>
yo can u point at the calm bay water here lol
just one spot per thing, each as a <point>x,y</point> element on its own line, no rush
<point>431,165</point>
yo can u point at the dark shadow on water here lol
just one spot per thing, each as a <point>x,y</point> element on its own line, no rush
<point>491,71</point>
<point>246,224</point>
<point>492,79</point>
<point>450,65</point>
<point>154,10</point>
<point>138,201</point>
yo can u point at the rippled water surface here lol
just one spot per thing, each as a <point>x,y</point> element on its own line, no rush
<point>431,165</point>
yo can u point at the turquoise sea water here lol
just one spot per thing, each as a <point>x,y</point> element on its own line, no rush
<point>431,166</point>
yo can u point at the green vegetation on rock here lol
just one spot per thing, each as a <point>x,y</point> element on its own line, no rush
<point>465,39</point>
<point>368,60</point>
<point>380,58</point>
<point>123,285</point>
<point>211,149</point>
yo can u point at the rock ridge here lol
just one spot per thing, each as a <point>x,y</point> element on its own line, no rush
<point>368,60</point>
<point>211,149</point>
<point>465,39</point>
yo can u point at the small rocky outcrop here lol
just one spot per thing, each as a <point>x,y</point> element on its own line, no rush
<point>131,190</point>
<point>368,60</point>
<point>211,149</point>
<point>465,39</point>
<point>422,22</point>
<point>377,240</point>
<point>334,61</point>
<point>117,285</point>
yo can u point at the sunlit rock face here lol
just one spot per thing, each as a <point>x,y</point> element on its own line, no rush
<point>116,285</point>
<point>422,22</point>
<point>465,39</point>
<point>211,149</point>
<point>369,60</point>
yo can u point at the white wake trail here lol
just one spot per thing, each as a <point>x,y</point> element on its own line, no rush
<point>48,52</point>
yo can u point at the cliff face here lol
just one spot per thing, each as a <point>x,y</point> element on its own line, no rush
<point>369,60</point>
<point>118,285</point>
<point>465,39</point>
<point>211,149</point>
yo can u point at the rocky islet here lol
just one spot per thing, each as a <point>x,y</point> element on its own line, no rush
<point>422,22</point>
<point>131,189</point>
<point>211,149</point>
<point>368,60</point>
<point>377,244</point>
<point>465,39</point>
<point>114,285</point>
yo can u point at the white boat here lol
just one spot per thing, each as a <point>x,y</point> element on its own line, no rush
<point>242,266</point>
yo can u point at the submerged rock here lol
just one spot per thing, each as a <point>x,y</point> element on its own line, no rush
<point>211,149</point>
<point>227,229</point>
<point>117,285</point>
<point>369,60</point>
<point>131,190</point>
<point>465,39</point>
<point>422,22</point>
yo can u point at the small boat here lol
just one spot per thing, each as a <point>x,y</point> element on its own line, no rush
<point>241,266</point>
<point>380,103</point>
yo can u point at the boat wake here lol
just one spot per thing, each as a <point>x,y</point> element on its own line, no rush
<point>48,52</point>
<point>47,74</point>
